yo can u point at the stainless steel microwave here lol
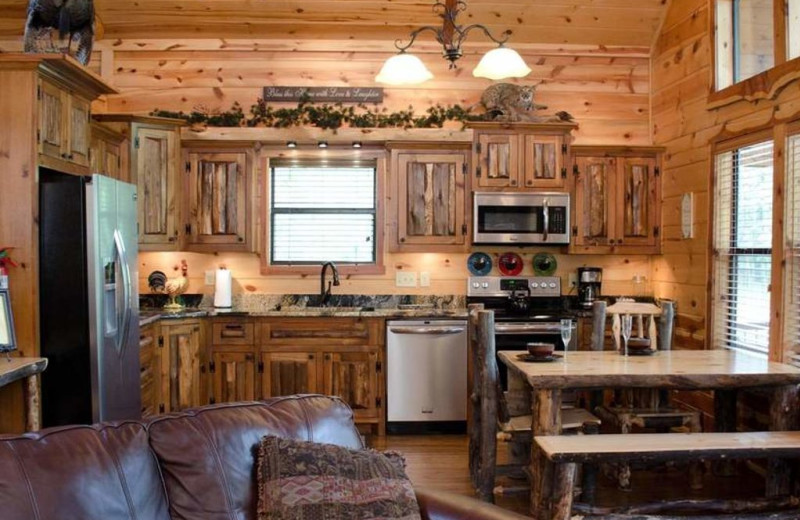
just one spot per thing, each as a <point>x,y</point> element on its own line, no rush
<point>521,218</point>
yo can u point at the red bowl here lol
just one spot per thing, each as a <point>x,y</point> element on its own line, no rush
<point>541,349</point>
<point>638,344</point>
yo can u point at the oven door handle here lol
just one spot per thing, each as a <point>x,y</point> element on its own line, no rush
<point>427,330</point>
<point>523,328</point>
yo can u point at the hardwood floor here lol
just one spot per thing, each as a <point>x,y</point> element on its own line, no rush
<point>440,462</point>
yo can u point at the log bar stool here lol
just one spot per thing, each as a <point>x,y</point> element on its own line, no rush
<point>645,407</point>
<point>493,418</point>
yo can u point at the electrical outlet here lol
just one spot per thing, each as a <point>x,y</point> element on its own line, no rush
<point>425,279</point>
<point>210,277</point>
<point>405,279</point>
<point>573,279</point>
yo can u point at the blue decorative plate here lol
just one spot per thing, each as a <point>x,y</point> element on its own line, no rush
<point>479,264</point>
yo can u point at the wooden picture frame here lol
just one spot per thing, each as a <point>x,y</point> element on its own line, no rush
<point>8,339</point>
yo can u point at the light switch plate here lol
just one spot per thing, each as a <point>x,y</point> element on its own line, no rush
<point>210,277</point>
<point>405,279</point>
<point>425,279</point>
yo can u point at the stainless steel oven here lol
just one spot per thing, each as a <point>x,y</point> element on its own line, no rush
<point>521,218</point>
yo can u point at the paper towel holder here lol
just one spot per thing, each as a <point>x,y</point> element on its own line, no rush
<point>223,288</point>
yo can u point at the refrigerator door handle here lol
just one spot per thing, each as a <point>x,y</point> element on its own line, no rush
<point>122,255</point>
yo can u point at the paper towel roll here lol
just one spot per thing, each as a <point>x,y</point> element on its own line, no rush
<point>222,289</point>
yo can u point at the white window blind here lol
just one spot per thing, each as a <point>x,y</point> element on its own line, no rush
<point>742,248</point>
<point>791,282</point>
<point>322,212</point>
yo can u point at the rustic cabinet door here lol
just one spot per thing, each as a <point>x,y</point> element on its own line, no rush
<point>150,371</point>
<point>639,192</point>
<point>543,161</point>
<point>498,161</point>
<point>595,201</point>
<point>52,130</point>
<point>233,377</point>
<point>287,373</point>
<point>108,153</point>
<point>353,376</point>
<point>182,363</point>
<point>431,199</point>
<point>154,166</point>
<point>79,119</point>
<point>218,200</point>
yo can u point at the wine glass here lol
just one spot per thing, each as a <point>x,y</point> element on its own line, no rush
<point>566,334</point>
<point>627,325</point>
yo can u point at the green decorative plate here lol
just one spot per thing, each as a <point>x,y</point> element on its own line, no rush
<point>544,264</point>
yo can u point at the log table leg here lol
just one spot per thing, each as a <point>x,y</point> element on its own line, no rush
<point>32,403</point>
<point>519,403</point>
<point>783,417</point>
<point>546,409</point>
<point>563,484</point>
<point>725,420</point>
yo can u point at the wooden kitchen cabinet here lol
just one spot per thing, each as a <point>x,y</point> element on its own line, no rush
<point>233,376</point>
<point>108,153</point>
<point>150,369</point>
<point>63,129</point>
<point>428,209</point>
<point>154,156</point>
<point>520,156</point>
<point>334,356</point>
<point>616,200</point>
<point>183,365</point>
<point>218,207</point>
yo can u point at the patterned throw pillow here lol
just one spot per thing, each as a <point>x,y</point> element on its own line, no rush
<point>300,480</point>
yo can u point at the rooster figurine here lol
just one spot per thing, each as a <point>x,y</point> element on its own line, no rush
<point>175,287</point>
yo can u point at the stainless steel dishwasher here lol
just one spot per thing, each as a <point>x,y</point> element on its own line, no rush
<point>426,371</point>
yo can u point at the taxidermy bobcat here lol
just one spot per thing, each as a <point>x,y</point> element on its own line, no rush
<point>74,20</point>
<point>510,102</point>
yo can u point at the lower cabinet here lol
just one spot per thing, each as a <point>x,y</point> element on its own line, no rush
<point>150,371</point>
<point>183,365</point>
<point>287,373</point>
<point>353,376</point>
<point>233,376</point>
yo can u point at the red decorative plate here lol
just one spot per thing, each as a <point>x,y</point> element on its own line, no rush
<point>510,264</point>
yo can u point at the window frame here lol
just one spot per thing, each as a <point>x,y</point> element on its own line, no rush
<point>765,85</point>
<point>265,191</point>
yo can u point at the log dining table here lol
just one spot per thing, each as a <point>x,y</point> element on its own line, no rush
<point>724,371</point>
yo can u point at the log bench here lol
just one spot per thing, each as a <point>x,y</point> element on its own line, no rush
<point>567,452</point>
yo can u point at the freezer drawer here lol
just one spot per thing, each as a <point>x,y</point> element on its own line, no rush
<point>426,370</point>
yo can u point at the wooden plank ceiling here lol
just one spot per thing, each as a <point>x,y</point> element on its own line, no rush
<point>605,23</point>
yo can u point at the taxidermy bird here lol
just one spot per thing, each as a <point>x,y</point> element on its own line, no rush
<point>177,286</point>
<point>74,20</point>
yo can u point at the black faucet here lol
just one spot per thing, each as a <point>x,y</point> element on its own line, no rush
<point>325,293</point>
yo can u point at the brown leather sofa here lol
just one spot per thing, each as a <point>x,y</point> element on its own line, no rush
<point>196,465</point>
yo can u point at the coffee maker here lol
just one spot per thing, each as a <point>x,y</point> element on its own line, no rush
<point>589,281</point>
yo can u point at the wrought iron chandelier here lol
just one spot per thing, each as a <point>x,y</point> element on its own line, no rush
<point>407,69</point>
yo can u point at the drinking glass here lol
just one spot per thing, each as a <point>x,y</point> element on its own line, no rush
<point>566,334</point>
<point>627,325</point>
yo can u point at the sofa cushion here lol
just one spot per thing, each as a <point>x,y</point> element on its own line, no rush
<point>207,456</point>
<point>81,473</point>
<point>307,480</point>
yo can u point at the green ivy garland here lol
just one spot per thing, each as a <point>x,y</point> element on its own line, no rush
<point>329,117</point>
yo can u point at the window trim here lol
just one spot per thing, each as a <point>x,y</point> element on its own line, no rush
<point>305,269</point>
<point>767,84</point>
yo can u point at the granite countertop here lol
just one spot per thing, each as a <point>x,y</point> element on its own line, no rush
<point>151,316</point>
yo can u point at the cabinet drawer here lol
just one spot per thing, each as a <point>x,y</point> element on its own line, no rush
<point>321,331</point>
<point>232,333</point>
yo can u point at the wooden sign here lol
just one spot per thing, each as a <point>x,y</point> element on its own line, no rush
<point>325,94</point>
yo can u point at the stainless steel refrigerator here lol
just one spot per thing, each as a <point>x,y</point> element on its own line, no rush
<point>89,328</point>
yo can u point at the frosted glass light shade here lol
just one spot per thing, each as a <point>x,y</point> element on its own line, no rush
<point>403,69</point>
<point>501,63</point>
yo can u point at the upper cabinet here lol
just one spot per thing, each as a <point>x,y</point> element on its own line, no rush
<point>218,196</point>
<point>63,127</point>
<point>154,160</point>
<point>428,208</point>
<point>519,156</point>
<point>617,200</point>
<point>109,153</point>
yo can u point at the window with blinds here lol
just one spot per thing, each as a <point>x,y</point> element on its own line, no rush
<point>743,247</point>
<point>791,283</point>
<point>322,212</point>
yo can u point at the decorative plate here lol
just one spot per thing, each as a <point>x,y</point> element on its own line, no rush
<point>479,264</point>
<point>544,264</point>
<point>510,264</point>
<point>538,359</point>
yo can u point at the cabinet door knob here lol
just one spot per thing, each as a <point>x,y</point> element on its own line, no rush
<point>513,183</point>
<point>529,183</point>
